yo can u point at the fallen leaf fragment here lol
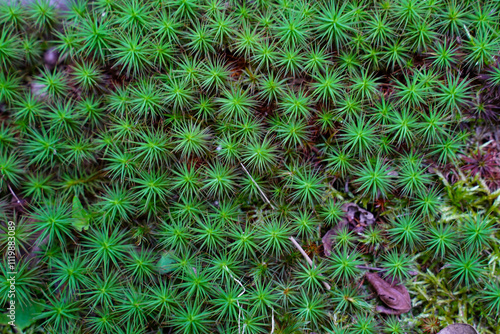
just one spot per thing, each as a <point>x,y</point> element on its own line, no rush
<point>329,236</point>
<point>358,217</point>
<point>395,296</point>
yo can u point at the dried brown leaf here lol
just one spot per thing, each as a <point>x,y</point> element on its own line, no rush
<point>395,296</point>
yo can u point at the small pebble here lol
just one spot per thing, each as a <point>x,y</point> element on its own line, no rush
<point>37,89</point>
<point>51,57</point>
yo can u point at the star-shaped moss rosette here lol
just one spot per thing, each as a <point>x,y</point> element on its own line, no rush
<point>157,158</point>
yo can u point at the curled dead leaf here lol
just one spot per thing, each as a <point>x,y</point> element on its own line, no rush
<point>395,296</point>
<point>330,235</point>
<point>357,216</point>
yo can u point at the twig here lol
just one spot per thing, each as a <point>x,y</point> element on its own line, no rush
<point>308,259</point>
<point>10,189</point>
<point>301,250</point>
<point>272,321</point>
<point>260,190</point>
<point>13,194</point>
<point>237,302</point>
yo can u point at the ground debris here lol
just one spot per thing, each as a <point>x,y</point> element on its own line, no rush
<point>394,295</point>
<point>356,219</point>
<point>458,329</point>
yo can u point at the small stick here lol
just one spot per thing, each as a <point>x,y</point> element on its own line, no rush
<point>237,302</point>
<point>13,194</point>
<point>272,321</point>
<point>308,259</point>
<point>10,189</point>
<point>260,190</point>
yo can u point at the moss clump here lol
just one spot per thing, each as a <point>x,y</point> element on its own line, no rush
<point>157,157</point>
